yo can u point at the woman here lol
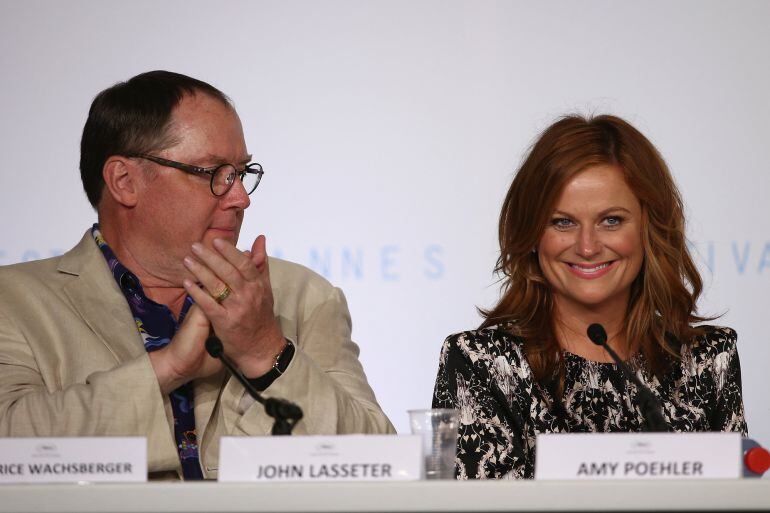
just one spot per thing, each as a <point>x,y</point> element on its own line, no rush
<point>591,231</point>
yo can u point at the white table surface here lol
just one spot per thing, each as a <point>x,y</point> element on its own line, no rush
<point>701,495</point>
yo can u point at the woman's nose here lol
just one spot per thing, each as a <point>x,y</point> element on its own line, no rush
<point>588,243</point>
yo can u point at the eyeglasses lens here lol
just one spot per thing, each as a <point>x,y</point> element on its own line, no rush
<point>250,181</point>
<point>223,179</point>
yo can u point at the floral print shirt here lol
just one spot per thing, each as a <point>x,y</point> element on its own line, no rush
<point>486,376</point>
<point>157,326</point>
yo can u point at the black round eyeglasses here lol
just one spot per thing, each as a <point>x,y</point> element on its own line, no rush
<point>222,176</point>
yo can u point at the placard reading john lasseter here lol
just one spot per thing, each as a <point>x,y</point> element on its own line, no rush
<point>72,460</point>
<point>638,456</point>
<point>321,458</point>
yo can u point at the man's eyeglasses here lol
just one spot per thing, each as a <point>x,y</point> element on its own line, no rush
<point>222,176</point>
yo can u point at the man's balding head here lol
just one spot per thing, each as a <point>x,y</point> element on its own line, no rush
<point>132,118</point>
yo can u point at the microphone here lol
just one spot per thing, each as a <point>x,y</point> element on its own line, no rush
<point>214,347</point>
<point>597,334</point>
<point>285,413</point>
<point>652,410</point>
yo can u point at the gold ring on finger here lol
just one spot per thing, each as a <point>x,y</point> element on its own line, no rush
<point>222,295</point>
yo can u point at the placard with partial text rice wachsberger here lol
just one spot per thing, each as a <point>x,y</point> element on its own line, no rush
<point>73,460</point>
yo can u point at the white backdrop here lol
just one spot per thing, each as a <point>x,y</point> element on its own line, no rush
<point>389,132</point>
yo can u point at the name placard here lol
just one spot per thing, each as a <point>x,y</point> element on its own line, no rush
<point>321,458</point>
<point>638,456</point>
<point>73,460</point>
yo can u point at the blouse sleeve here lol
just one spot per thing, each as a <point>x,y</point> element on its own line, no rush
<point>490,442</point>
<point>728,413</point>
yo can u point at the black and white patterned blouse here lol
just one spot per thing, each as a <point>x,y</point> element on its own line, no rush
<point>486,376</point>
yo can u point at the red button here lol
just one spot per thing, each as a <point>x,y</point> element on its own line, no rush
<point>757,459</point>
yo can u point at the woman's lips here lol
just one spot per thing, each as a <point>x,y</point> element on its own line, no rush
<point>591,271</point>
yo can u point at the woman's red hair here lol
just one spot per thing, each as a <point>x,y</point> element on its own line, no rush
<point>662,304</point>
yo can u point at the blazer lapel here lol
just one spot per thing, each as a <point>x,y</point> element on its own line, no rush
<point>108,315</point>
<point>206,394</point>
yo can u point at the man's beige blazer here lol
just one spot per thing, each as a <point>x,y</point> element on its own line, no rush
<point>72,363</point>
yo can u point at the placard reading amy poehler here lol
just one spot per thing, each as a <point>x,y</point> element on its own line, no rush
<point>71,460</point>
<point>321,458</point>
<point>638,456</point>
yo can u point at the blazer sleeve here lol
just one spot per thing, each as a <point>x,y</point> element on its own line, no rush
<point>121,401</point>
<point>325,377</point>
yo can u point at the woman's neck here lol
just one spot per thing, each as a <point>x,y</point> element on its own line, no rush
<point>571,324</point>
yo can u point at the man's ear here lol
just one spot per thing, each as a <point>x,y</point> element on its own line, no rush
<point>120,178</point>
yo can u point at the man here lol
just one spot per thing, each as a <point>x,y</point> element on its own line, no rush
<point>108,339</point>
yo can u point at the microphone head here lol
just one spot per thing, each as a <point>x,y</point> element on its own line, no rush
<point>597,334</point>
<point>214,346</point>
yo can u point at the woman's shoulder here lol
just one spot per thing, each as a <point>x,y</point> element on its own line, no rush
<point>712,341</point>
<point>493,340</point>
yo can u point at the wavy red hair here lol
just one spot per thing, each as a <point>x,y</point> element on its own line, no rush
<point>662,304</point>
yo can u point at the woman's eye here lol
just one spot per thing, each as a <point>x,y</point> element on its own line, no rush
<point>613,220</point>
<point>561,222</point>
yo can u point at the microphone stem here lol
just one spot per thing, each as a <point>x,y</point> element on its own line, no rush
<point>285,414</point>
<point>650,408</point>
<point>630,375</point>
<point>253,392</point>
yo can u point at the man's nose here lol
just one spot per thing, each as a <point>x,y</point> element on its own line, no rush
<point>236,196</point>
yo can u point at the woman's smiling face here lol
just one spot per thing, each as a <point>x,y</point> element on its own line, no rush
<point>591,251</point>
